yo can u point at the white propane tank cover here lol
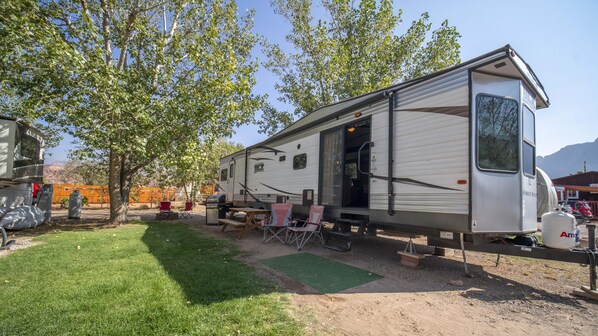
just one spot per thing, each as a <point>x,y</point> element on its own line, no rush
<point>559,230</point>
<point>75,204</point>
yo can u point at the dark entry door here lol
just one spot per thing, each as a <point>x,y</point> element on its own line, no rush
<point>356,180</point>
<point>345,165</point>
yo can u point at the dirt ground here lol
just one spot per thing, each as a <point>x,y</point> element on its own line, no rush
<point>519,296</point>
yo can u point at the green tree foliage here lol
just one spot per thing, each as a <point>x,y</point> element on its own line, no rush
<point>18,34</point>
<point>353,52</point>
<point>193,166</point>
<point>133,80</point>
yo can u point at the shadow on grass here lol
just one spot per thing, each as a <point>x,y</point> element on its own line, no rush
<point>62,224</point>
<point>203,267</point>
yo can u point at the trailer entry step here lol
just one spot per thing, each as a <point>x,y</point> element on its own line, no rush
<point>338,241</point>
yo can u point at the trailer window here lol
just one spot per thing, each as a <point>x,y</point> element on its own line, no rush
<point>223,174</point>
<point>231,171</point>
<point>27,145</point>
<point>30,148</point>
<point>498,133</point>
<point>529,140</point>
<point>529,125</point>
<point>300,161</point>
<point>529,159</point>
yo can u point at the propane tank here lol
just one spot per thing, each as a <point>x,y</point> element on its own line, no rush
<point>75,204</point>
<point>559,230</point>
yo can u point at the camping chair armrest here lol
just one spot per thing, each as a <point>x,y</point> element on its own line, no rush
<point>296,222</point>
<point>303,222</point>
<point>265,221</point>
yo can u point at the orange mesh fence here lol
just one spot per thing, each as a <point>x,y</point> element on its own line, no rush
<point>99,194</point>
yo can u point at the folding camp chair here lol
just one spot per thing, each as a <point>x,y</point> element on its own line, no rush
<point>166,211</point>
<point>278,222</point>
<point>311,227</point>
<point>186,213</point>
<point>165,206</point>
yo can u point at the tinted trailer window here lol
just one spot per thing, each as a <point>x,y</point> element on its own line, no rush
<point>498,133</point>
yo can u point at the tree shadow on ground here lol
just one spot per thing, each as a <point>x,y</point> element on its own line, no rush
<point>205,268</point>
<point>437,272</point>
<point>62,224</point>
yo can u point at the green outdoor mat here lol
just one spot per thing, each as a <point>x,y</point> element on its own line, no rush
<point>321,274</point>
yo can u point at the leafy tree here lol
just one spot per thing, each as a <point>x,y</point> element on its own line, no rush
<point>133,80</point>
<point>190,171</point>
<point>355,52</point>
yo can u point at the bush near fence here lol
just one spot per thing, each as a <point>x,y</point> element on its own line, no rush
<point>99,194</point>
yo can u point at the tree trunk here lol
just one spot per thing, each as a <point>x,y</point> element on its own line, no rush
<point>185,191</point>
<point>193,191</point>
<point>119,188</point>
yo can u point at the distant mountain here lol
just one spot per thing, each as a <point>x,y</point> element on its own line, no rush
<point>569,160</point>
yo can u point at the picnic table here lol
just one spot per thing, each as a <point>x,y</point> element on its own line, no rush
<point>248,221</point>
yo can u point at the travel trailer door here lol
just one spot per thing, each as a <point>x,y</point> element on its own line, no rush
<point>230,196</point>
<point>496,172</point>
<point>345,165</point>
<point>529,202</point>
<point>227,179</point>
<point>356,183</point>
<point>331,168</point>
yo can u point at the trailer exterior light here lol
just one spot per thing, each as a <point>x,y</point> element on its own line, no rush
<point>357,115</point>
<point>462,182</point>
<point>351,129</point>
<point>500,65</point>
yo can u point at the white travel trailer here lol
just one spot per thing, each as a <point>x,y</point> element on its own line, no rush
<point>24,203</point>
<point>452,151</point>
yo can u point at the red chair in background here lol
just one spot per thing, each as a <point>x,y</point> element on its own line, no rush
<point>165,206</point>
<point>186,213</point>
<point>166,211</point>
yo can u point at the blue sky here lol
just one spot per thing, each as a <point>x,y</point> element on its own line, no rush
<point>559,39</point>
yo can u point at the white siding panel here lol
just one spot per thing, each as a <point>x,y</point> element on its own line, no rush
<point>429,148</point>
<point>448,90</point>
<point>438,202</point>
<point>432,148</point>
<point>280,174</point>
<point>379,155</point>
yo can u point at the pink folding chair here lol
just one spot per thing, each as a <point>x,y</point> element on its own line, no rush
<point>186,213</point>
<point>278,222</point>
<point>311,227</point>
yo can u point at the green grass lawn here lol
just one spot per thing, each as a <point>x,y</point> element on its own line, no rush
<point>141,279</point>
